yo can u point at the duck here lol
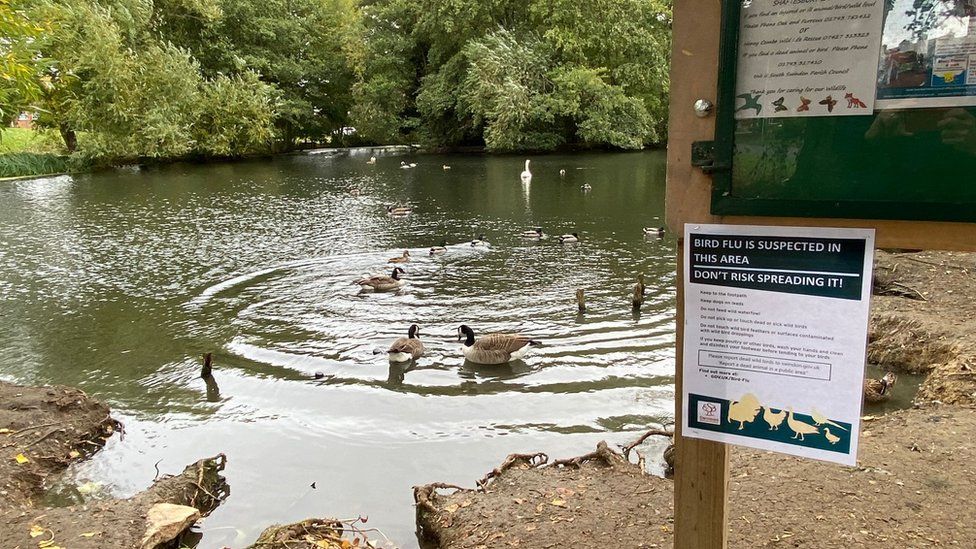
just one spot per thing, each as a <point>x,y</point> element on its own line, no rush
<point>669,461</point>
<point>405,166</point>
<point>408,348</point>
<point>562,172</point>
<point>820,419</point>
<point>773,419</point>
<point>534,234</point>
<point>480,242</point>
<point>494,348</point>
<point>831,438</point>
<point>399,210</point>
<point>798,427</point>
<point>372,160</point>
<point>445,167</point>
<point>402,259</point>
<point>526,175</point>
<point>438,250</point>
<point>744,410</point>
<point>878,390</point>
<point>654,231</point>
<point>586,187</point>
<point>383,283</point>
<point>569,238</point>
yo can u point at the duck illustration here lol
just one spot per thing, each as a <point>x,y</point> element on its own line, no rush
<point>751,102</point>
<point>798,427</point>
<point>831,438</point>
<point>773,419</point>
<point>744,410</point>
<point>819,419</point>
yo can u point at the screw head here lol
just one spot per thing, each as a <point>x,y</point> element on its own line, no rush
<point>703,108</point>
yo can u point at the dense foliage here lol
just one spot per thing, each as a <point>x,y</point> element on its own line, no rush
<point>121,79</point>
<point>515,74</point>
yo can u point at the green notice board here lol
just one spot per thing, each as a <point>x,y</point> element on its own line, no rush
<point>846,108</point>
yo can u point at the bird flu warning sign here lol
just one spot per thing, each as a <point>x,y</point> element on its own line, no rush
<point>775,338</point>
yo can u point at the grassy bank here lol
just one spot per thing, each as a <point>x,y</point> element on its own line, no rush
<point>28,152</point>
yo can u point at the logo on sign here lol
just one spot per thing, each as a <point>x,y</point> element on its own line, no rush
<point>709,412</point>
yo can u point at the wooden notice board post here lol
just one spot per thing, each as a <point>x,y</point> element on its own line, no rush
<point>915,213</point>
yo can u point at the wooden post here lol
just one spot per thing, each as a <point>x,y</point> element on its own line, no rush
<point>207,370</point>
<point>701,470</point>
<point>580,301</point>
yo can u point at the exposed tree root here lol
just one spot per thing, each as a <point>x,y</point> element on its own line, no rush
<point>532,460</point>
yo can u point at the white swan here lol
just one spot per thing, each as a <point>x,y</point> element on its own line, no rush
<point>526,174</point>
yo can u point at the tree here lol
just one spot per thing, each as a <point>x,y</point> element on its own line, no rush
<point>20,63</point>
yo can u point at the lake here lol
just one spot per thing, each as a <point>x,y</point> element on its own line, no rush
<point>118,282</point>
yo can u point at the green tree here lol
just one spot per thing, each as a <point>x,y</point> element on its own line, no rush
<point>20,62</point>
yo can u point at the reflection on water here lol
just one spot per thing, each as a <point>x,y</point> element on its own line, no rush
<point>119,282</point>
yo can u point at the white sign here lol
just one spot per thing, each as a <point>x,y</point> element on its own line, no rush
<point>775,337</point>
<point>808,58</point>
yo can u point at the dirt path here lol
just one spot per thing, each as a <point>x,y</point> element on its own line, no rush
<point>914,464</point>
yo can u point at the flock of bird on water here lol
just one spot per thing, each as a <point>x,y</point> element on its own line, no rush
<point>489,349</point>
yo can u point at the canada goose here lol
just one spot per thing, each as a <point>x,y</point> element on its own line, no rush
<point>831,438</point>
<point>654,231</point>
<point>569,238</point>
<point>438,250</point>
<point>494,348</point>
<point>480,242</point>
<point>744,410</point>
<point>819,419</point>
<point>383,283</point>
<point>406,348</point>
<point>798,427</point>
<point>878,390</point>
<point>586,187</point>
<point>445,167</point>
<point>372,160</point>
<point>534,234</point>
<point>402,259</point>
<point>562,173</point>
<point>399,210</point>
<point>773,419</point>
<point>526,175</point>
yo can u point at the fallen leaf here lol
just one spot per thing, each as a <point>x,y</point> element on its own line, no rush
<point>558,502</point>
<point>465,503</point>
<point>36,531</point>
<point>89,534</point>
<point>452,508</point>
<point>518,501</point>
<point>74,454</point>
<point>21,458</point>
<point>564,492</point>
<point>5,431</point>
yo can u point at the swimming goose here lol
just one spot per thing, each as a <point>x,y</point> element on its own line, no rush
<point>534,234</point>
<point>654,231</point>
<point>445,167</point>
<point>383,283</point>
<point>878,390</point>
<point>406,348</point>
<point>562,173</point>
<point>438,250</point>
<point>526,175</point>
<point>372,160</point>
<point>586,187</point>
<point>569,238</point>
<point>494,348</point>
<point>480,242</point>
<point>405,166</point>
<point>398,210</point>
<point>402,259</point>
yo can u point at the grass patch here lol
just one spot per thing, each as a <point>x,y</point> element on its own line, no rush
<point>17,140</point>
<point>25,163</point>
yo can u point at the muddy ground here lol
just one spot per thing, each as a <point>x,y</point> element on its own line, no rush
<point>916,467</point>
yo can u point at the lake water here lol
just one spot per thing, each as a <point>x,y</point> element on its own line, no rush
<point>118,282</point>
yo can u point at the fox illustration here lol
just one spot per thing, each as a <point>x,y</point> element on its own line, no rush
<point>853,102</point>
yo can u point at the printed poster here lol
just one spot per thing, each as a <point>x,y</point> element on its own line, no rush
<point>807,58</point>
<point>776,323</point>
<point>928,55</point>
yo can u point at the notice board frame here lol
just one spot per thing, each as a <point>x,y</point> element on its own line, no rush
<point>716,158</point>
